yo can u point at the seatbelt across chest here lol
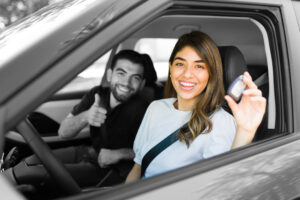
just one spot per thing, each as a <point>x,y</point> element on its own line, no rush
<point>165,143</point>
<point>157,149</point>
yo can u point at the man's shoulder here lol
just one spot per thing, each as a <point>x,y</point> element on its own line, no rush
<point>102,91</point>
<point>137,101</point>
<point>99,89</point>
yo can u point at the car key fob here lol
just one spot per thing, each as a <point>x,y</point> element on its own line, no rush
<point>236,88</point>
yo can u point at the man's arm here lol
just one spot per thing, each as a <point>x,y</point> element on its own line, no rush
<point>108,157</point>
<point>72,125</point>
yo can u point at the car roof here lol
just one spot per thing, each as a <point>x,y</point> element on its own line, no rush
<point>241,32</point>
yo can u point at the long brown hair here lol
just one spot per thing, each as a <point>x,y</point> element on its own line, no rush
<point>212,96</point>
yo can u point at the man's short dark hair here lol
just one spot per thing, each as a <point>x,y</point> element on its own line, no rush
<point>137,58</point>
<point>130,55</point>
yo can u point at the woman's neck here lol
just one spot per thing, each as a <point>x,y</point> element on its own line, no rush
<point>184,105</point>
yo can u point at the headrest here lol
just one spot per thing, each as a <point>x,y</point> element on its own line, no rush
<point>149,72</point>
<point>234,64</point>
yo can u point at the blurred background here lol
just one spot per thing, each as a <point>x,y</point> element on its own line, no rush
<point>13,10</point>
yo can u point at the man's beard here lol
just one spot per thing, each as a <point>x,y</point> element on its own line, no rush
<point>121,97</point>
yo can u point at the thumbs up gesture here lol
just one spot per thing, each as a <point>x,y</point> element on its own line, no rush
<point>96,115</point>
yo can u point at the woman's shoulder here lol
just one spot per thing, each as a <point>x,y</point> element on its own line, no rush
<point>223,115</point>
<point>162,103</point>
<point>224,124</point>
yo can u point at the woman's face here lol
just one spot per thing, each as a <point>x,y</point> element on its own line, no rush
<point>189,75</point>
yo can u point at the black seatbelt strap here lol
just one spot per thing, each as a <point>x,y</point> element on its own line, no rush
<point>157,149</point>
<point>262,79</point>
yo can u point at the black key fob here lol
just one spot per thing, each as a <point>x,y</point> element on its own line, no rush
<point>236,88</point>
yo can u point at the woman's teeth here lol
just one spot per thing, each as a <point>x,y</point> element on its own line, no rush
<point>187,84</point>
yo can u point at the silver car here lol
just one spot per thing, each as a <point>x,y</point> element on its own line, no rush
<point>51,58</point>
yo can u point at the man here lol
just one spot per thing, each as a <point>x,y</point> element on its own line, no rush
<point>113,115</point>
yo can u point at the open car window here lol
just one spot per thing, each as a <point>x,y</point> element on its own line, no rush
<point>89,78</point>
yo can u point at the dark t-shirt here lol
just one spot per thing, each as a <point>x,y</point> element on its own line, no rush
<point>121,124</point>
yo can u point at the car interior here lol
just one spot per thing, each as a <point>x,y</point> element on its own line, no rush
<point>243,45</point>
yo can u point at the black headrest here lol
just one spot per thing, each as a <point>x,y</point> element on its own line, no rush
<point>150,72</point>
<point>234,64</point>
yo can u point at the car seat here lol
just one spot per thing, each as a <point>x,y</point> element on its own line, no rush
<point>152,89</point>
<point>234,64</point>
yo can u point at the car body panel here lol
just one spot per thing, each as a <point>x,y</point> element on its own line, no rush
<point>293,46</point>
<point>275,171</point>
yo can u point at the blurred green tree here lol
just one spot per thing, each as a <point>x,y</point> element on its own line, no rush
<point>13,10</point>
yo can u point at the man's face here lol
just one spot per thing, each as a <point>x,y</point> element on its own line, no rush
<point>125,79</point>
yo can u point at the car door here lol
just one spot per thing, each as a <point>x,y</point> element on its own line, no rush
<point>265,169</point>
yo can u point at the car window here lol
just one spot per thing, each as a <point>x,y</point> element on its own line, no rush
<point>89,78</point>
<point>159,50</point>
<point>257,54</point>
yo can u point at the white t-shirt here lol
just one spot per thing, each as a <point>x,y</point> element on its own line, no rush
<point>162,119</point>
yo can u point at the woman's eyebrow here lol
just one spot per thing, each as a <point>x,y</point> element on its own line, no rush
<point>197,61</point>
<point>179,58</point>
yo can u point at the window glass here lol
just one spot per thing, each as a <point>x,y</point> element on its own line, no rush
<point>89,78</point>
<point>159,49</point>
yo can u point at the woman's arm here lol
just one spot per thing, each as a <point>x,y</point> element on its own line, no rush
<point>134,174</point>
<point>248,113</point>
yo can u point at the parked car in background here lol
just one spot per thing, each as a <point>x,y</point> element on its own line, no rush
<point>51,58</point>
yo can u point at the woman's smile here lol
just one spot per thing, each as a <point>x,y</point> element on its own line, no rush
<point>187,85</point>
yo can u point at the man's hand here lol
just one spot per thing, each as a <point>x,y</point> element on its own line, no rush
<point>108,157</point>
<point>96,115</point>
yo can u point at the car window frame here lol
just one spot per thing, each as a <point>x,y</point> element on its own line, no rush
<point>270,17</point>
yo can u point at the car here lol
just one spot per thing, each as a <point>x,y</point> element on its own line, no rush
<point>52,57</point>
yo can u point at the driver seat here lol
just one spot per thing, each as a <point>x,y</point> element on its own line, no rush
<point>234,64</point>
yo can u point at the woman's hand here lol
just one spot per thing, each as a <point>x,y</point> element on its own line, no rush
<point>248,113</point>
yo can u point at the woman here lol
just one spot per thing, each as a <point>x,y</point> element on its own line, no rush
<point>196,89</point>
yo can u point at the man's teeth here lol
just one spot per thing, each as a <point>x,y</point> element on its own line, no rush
<point>124,89</point>
<point>187,84</point>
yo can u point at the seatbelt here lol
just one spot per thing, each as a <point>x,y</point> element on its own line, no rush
<point>262,79</point>
<point>157,149</point>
